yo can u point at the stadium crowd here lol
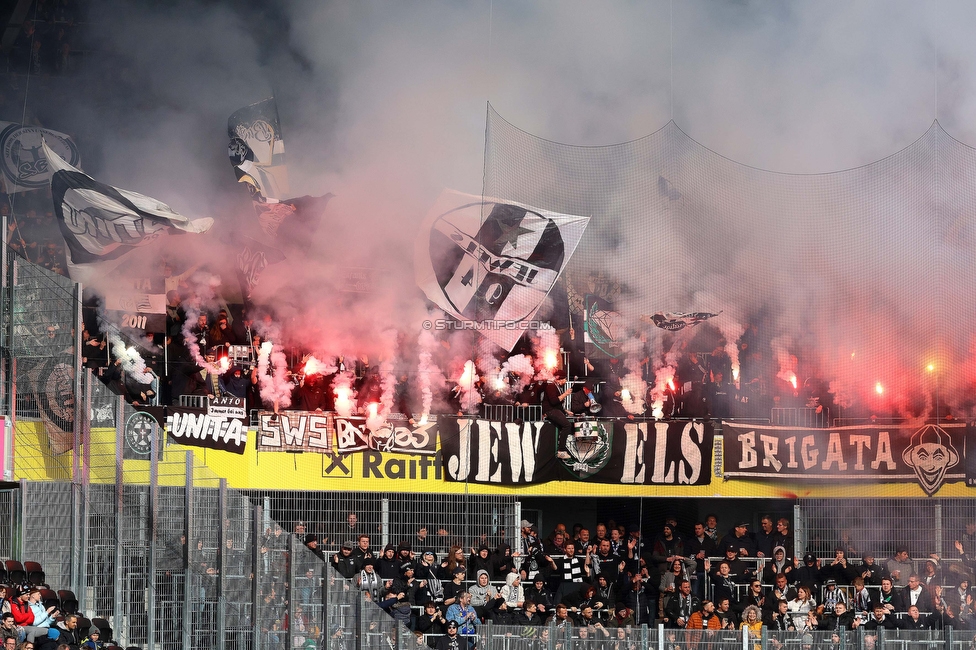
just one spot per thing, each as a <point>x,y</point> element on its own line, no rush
<point>33,617</point>
<point>590,582</point>
<point>702,385</point>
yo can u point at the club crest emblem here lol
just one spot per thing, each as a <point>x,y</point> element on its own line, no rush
<point>139,433</point>
<point>23,163</point>
<point>587,449</point>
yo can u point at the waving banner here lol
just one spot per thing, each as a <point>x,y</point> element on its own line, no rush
<point>101,223</point>
<point>257,151</point>
<point>22,159</point>
<point>492,263</point>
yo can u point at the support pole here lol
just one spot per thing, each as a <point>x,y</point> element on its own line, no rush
<point>292,560</point>
<point>189,577</point>
<point>117,579</point>
<point>153,511</point>
<point>256,574</point>
<point>221,566</point>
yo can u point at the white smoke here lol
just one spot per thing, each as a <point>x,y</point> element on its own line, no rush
<point>426,370</point>
<point>633,387</point>
<point>468,388</point>
<point>130,359</point>
<point>345,393</point>
<point>520,367</point>
<point>203,296</point>
<point>273,381</point>
<point>786,362</point>
<point>388,382</point>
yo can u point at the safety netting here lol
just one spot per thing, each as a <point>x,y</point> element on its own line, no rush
<point>851,288</point>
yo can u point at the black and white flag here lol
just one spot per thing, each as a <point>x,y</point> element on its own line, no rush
<point>493,262</point>
<point>22,160</point>
<point>101,223</point>
<point>257,151</point>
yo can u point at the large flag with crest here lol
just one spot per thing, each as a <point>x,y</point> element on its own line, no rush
<point>22,159</point>
<point>493,262</point>
<point>101,223</point>
<point>257,151</point>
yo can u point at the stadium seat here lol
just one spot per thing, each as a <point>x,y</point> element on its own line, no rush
<point>35,574</point>
<point>84,624</point>
<point>15,572</point>
<point>69,604</point>
<point>50,597</point>
<point>103,627</point>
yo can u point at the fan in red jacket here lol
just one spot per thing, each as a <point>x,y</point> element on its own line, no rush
<point>21,610</point>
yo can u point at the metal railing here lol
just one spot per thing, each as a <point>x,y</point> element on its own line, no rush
<point>511,413</point>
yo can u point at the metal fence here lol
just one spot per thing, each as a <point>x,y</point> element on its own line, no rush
<point>171,557</point>
<point>923,526</point>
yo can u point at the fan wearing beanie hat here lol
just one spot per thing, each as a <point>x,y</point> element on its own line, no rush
<point>94,640</point>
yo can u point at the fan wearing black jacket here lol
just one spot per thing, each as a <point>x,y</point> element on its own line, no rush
<point>779,619</point>
<point>681,606</point>
<point>432,621</point>
<point>880,618</point>
<point>839,619</point>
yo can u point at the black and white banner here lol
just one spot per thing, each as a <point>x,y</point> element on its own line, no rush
<point>137,303</point>
<point>295,431</point>
<point>493,262</point>
<point>928,454</point>
<point>22,160</point>
<point>396,435</point>
<point>604,451</point>
<point>327,432</point>
<point>101,223</point>
<point>222,425</point>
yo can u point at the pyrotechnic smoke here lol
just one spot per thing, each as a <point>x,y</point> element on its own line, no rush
<point>633,387</point>
<point>731,332</point>
<point>520,366</point>
<point>663,381</point>
<point>468,388</point>
<point>374,419</point>
<point>132,362</point>
<point>786,361</point>
<point>546,357</point>
<point>426,371</point>
<point>202,296</point>
<point>388,382</point>
<point>399,128</point>
<point>345,394</point>
<point>273,381</point>
<point>312,366</point>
